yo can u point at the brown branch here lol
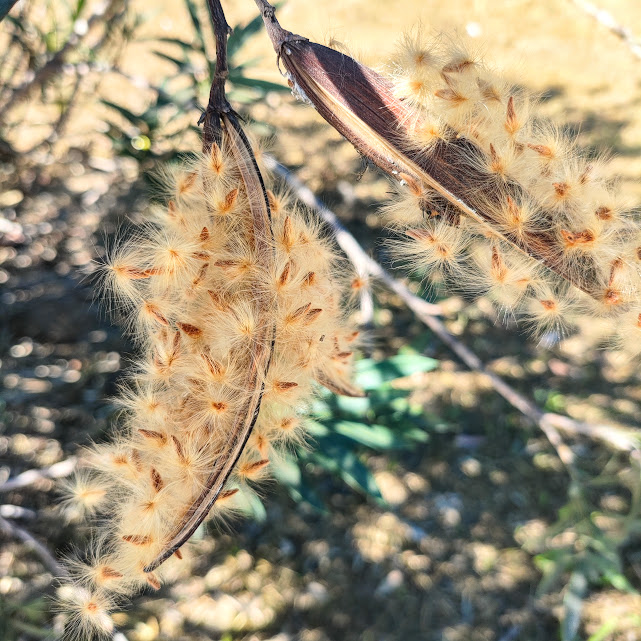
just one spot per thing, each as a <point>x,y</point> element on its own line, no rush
<point>549,422</point>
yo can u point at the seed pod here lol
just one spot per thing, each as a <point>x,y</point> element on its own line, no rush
<point>474,168</point>
<point>231,334</point>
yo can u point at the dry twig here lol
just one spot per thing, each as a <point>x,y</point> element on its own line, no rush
<point>55,471</point>
<point>606,19</point>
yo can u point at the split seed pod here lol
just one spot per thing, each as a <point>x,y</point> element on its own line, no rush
<point>235,301</point>
<point>487,195</point>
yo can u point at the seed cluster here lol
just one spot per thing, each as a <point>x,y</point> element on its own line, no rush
<point>197,298</point>
<point>554,239</point>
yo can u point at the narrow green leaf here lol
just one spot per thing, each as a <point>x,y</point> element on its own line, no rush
<point>241,34</point>
<point>198,31</point>
<point>255,83</point>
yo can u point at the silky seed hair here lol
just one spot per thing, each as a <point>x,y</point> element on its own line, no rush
<point>535,190</point>
<point>185,281</point>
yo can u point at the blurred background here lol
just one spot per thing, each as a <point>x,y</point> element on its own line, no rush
<point>432,510</point>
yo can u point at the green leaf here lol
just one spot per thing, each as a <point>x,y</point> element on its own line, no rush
<point>371,374</point>
<point>183,65</point>
<point>241,34</point>
<point>131,117</point>
<point>378,437</point>
<point>335,456</point>
<point>254,83</point>
<point>287,471</point>
<point>189,46</point>
<point>198,31</point>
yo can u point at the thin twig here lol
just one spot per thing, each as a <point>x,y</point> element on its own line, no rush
<point>549,422</point>
<point>16,532</point>
<point>57,569</point>
<point>606,19</point>
<point>55,471</point>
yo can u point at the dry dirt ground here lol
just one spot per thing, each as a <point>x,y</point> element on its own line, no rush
<point>449,558</point>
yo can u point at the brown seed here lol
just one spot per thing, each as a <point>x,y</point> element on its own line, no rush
<point>230,200</point>
<point>227,263</point>
<point>107,573</point>
<point>219,406</point>
<point>153,581</point>
<point>92,607</point>
<point>412,183</point>
<point>297,314</point>
<point>496,165</point>
<point>488,91</point>
<point>499,271</point>
<point>187,183</point>
<point>218,300</point>
<point>178,554</point>
<point>284,277</point>
<point>216,159</point>
<point>175,347</point>
<point>312,315</point>
<point>542,150</point>
<point>201,255</point>
<point>227,494</point>
<point>420,234</point>
<point>156,480</point>
<point>215,368</point>
<point>549,305</point>
<point>155,313</point>
<point>287,423</point>
<point>288,234</point>
<point>274,203</point>
<point>604,213</point>
<point>283,386</point>
<point>450,95</point>
<point>201,275</point>
<point>252,468</point>
<point>152,434</point>
<point>137,539</point>
<point>561,189</point>
<point>204,234</point>
<point>612,296</point>
<point>511,121</point>
<point>191,330</point>
<point>639,320</point>
<point>577,238</point>
<point>179,449</point>
<point>585,174</point>
<point>136,459</point>
<point>133,273</point>
<point>458,67</point>
<point>310,278</point>
<point>615,266</point>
